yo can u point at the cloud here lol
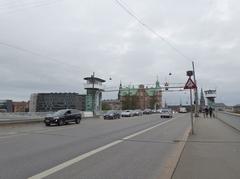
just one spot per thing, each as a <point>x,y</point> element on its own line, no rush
<point>77,38</point>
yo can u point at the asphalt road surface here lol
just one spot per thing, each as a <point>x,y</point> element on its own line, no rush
<point>136,147</point>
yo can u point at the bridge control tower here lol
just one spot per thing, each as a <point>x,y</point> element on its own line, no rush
<point>211,95</point>
<point>94,89</point>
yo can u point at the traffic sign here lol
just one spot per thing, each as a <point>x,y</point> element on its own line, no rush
<point>190,84</point>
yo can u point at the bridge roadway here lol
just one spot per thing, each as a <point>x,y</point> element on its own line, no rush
<point>136,147</point>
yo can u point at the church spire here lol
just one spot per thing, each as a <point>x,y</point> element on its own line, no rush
<point>157,83</point>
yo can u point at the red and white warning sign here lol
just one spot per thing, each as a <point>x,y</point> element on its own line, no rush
<point>190,84</point>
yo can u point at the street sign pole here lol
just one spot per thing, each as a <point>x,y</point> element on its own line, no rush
<point>192,130</point>
<point>190,85</point>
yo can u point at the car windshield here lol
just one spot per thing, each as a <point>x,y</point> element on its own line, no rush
<point>109,112</point>
<point>166,110</point>
<point>59,113</point>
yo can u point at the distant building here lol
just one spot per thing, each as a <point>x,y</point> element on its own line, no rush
<point>94,87</point>
<point>21,106</point>
<point>6,106</point>
<point>43,102</point>
<point>141,98</point>
<point>112,104</point>
<point>210,95</point>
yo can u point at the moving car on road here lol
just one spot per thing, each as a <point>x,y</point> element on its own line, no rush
<point>64,116</point>
<point>127,113</point>
<point>112,115</point>
<point>166,113</point>
<point>147,111</point>
<point>137,112</point>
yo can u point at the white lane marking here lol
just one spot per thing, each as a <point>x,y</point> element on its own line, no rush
<point>88,154</point>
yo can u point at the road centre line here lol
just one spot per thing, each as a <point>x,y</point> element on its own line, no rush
<point>95,151</point>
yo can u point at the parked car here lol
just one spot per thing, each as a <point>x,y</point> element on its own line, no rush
<point>112,115</point>
<point>64,116</point>
<point>137,112</point>
<point>166,113</point>
<point>127,113</point>
<point>147,111</point>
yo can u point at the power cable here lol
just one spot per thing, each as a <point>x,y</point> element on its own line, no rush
<point>37,54</point>
<point>19,7</point>
<point>150,29</point>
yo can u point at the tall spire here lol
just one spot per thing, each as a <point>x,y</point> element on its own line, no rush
<point>157,83</point>
<point>119,91</point>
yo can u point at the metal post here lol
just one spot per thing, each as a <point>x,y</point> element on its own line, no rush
<point>93,94</point>
<point>192,131</point>
<point>195,92</point>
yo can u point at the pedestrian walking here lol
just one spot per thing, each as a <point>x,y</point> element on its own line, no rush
<point>211,112</point>
<point>206,112</point>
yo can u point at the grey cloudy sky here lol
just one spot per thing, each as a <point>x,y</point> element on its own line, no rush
<point>72,38</point>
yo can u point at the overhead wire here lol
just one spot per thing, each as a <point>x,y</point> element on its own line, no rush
<point>15,7</point>
<point>128,10</point>
<point>38,55</point>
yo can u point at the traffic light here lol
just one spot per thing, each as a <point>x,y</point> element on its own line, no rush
<point>166,86</point>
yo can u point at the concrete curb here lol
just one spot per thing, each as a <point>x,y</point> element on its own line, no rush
<point>228,124</point>
<point>233,114</point>
<point>173,160</point>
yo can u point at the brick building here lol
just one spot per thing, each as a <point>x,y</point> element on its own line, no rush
<point>112,104</point>
<point>21,106</point>
<point>141,97</point>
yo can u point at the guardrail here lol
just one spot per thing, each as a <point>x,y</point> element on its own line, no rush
<point>230,119</point>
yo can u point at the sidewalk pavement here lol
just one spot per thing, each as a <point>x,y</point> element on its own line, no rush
<point>213,152</point>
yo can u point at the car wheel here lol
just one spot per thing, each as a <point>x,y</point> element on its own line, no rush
<point>77,121</point>
<point>47,124</point>
<point>60,122</point>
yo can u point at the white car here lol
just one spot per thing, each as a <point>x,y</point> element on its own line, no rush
<point>182,110</point>
<point>166,113</point>
<point>127,113</point>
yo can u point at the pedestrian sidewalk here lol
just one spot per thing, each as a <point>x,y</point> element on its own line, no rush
<point>213,152</point>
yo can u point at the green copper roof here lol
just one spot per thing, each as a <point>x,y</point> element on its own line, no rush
<point>128,91</point>
<point>151,91</point>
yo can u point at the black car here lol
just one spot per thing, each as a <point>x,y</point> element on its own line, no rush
<point>147,111</point>
<point>64,116</point>
<point>112,115</point>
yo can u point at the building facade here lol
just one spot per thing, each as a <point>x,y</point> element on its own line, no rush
<point>44,102</point>
<point>21,106</point>
<point>112,104</point>
<point>141,97</point>
<point>94,87</point>
<point>6,106</point>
